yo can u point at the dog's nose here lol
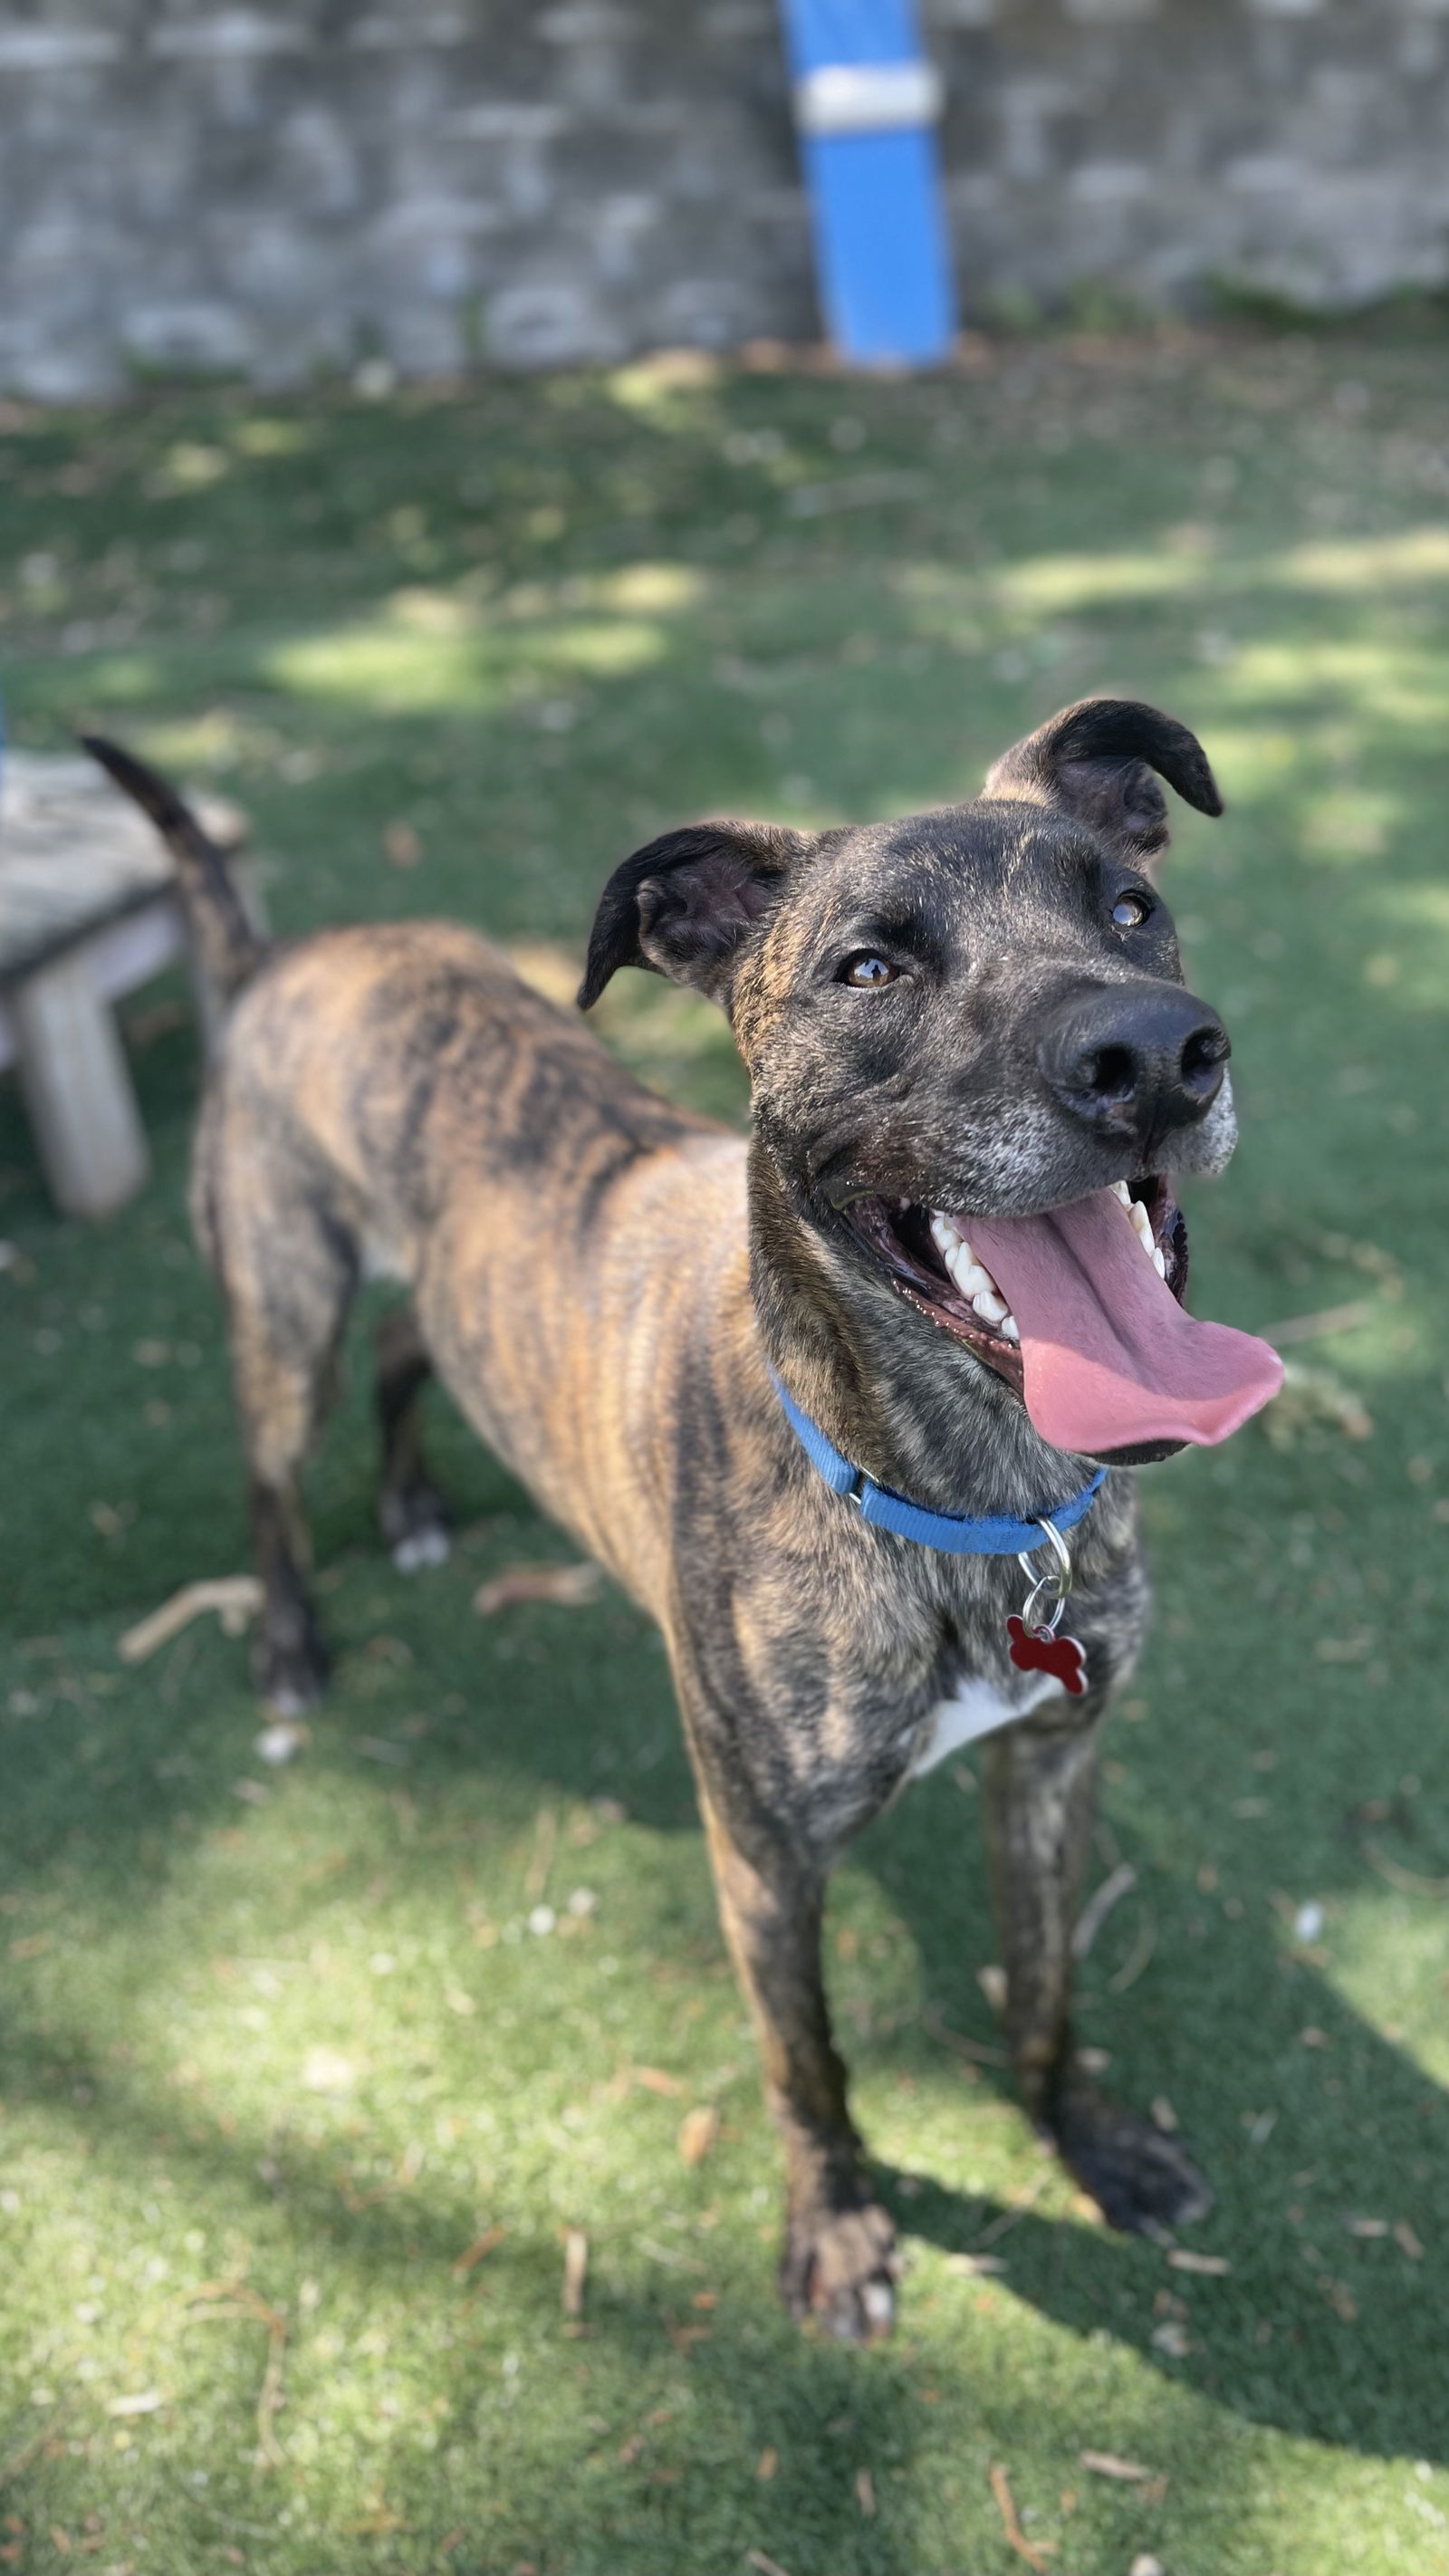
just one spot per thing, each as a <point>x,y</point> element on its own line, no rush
<point>1135,1063</point>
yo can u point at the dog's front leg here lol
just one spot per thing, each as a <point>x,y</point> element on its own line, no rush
<point>839,2263</point>
<point>1040,1782</point>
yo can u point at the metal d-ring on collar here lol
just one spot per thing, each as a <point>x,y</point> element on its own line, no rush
<point>1042,1609</point>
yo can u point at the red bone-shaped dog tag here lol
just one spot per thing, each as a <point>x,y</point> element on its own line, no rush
<point>1036,1650</point>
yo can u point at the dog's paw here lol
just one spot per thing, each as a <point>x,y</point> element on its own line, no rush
<point>1143,2181</point>
<point>840,2267</point>
<point>417,1527</point>
<point>422,1547</point>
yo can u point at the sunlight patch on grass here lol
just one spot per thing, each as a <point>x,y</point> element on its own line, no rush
<point>650,589</point>
<point>430,654</point>
<point>217,739</point>
<point>262,436</point>
<point>607,648</point>
<point>1405,560</point>
<point>387,668</point>
<point>650,384</point>
<point>190,466</point>
<point>1186,561</point>
<point>1349,827</point>
<point>1386,1952</point>
<point>1391,682</point>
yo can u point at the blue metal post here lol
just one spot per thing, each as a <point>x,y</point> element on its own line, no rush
<point>866,103</point>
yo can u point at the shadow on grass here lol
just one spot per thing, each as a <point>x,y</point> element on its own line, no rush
<point>1315,2330</point>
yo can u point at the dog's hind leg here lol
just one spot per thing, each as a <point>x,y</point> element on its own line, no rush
<point>839,2264</point>
<point>288,1273</point>
<point>1040,1784</point>
<point>413,1515</point>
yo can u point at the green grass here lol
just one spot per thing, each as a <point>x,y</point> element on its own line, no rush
<point>301,2038</point>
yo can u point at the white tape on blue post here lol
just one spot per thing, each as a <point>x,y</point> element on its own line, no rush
<point>867,98</point>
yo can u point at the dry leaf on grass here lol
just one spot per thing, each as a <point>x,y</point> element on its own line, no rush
<point>698,2131</point>
<point>1035,2552</point>
<point>545,1843</point>
<point>684,2338</point>
<point>576,2269</point>
<point>766,2566</point>
<point>570,1586</point>
<point>1407,1880</point>
<point>1140,1955</point>
<point>1108,2464</point>
<point>865,2490</point>
<point>475,2252</point>
<point>1330,1319</point>
<point>654,2080</point>
<point>235,1597</point>
<point>1183,2259</point>
<point>1020,2202</point>
<point>1094,1914</point>
<point>1406,2241</point>
<point>403,844</point>
<point>769,2462</point>
<point>213,2303</point>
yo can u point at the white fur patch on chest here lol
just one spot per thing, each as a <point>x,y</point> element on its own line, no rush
<point>978,1708</point>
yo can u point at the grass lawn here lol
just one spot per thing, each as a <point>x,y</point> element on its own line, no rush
<point>307,2073</point>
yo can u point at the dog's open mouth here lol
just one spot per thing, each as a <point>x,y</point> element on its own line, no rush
<point>1080,1311</point>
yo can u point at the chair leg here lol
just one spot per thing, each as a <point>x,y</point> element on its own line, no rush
<point>77,1087</point>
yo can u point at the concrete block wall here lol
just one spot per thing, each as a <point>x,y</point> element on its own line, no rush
<point>271,189</point>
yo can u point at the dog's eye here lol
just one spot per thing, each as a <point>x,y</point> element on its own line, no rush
<point>1130,911</point>
<point>866,970</point>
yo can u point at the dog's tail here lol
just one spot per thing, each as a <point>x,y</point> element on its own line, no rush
<point>229,948</point>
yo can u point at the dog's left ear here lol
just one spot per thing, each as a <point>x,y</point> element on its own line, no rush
<point>685,904</point>
<point>1096,760</point>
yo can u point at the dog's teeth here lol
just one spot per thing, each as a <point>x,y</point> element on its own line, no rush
<point>969,1276</point>
<point>1143,1223</point>
<point>1121,1191</point>
<point>1010,1329</point>
<point>1159,1262</point>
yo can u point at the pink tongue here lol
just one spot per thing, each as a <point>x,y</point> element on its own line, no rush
<point>1110,1357</point>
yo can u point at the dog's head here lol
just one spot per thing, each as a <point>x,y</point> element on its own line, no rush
<point>976,1067</point>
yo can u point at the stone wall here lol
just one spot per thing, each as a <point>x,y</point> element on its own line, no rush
<point>271,189</point>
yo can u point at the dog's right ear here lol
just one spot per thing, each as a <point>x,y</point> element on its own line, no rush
<point>685,904</point>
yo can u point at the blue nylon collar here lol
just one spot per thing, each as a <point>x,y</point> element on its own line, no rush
<point>948,1531</point>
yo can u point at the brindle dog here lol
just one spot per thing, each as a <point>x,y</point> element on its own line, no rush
<point>980,1008</point>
